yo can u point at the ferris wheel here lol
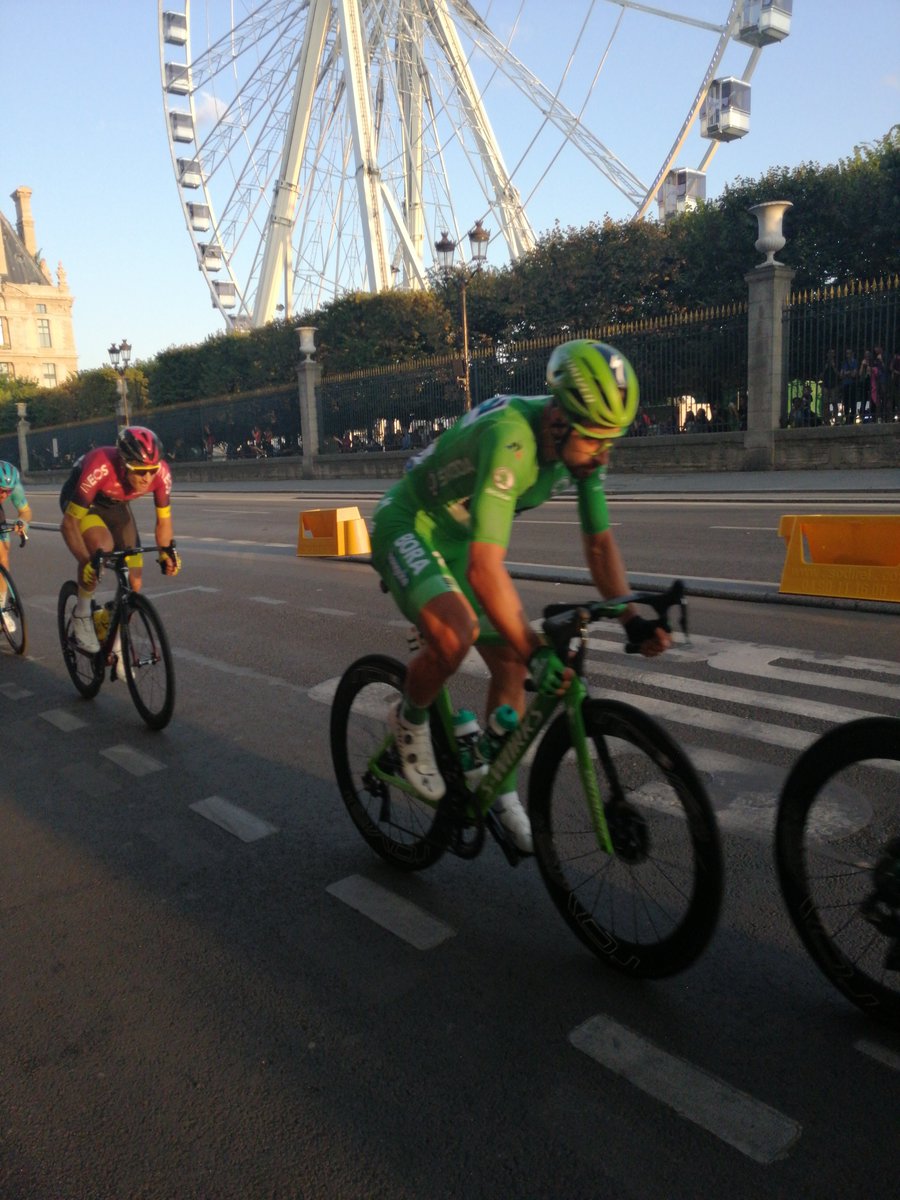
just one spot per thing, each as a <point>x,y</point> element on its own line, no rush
<point>314,142</point>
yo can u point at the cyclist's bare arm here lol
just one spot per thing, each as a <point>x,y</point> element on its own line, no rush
<point>496,592</point>
<point>604,561</point>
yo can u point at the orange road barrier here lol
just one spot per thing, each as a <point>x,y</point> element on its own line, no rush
<point>332,532</point>
<point>833,555</point>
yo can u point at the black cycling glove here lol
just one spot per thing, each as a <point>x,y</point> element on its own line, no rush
<point>639,629</point>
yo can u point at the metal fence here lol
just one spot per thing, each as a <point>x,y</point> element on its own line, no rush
<point>692,368</point>
<point>263,424</point>
<point>844,354</point>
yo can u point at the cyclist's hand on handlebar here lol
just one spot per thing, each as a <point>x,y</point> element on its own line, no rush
<point>170,561</point>
<point>648,638</point>
<point>551,675</point>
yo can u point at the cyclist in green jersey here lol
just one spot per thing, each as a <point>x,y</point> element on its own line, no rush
<point>440,538</point>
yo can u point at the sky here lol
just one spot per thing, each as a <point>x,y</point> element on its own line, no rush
<point>85,129</point>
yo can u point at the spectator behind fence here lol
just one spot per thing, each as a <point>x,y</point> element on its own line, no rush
<point>831,389</point>
<point>848,373</point>
<point>893,392</point>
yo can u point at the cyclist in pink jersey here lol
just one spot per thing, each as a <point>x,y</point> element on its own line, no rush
<point>96,504</point>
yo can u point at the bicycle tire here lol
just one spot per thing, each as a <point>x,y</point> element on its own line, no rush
<point>651,908</point>
<point>149,670</point>
<point>12,606</point>
<point>85,670</point>
<point>398,826</point>
<point>830,830</point>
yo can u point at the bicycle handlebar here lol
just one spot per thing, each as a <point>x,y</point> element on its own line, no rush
<point>15,527</point>
<point>562,622</point>
<point>116,558</point>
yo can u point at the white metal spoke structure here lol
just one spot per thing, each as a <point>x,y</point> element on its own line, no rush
<point>314,141</point>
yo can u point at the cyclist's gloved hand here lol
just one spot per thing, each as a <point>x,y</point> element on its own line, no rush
<point>170,562</point>
<point>87,576</point>
<point>549,672</point>
<point>638,630</point>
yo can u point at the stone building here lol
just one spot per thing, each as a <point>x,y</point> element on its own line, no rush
<point>37,340</point>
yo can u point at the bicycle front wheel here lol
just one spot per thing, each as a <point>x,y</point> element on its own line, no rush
<point>837,848</point>
<point>397,824</point>
<point>650,908</point>
<point>149,671</point>
<point>12,614</point>
<point>85,670</point>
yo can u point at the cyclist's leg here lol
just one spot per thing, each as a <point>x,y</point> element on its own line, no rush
<point>416,574</point>
<point>123,528</point>
<point>4,555</point>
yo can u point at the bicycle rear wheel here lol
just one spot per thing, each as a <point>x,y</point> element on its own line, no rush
<point>85,670</point>
<point>837,849</point>
<point>149,671</point>
<point>397,825</point>
<point>13,614</point>
<point>650,908</point>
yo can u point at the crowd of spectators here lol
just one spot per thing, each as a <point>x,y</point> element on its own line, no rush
<point>856,390</point>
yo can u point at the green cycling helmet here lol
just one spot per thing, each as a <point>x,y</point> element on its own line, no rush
<point>595,385</point>
<point>9,476</point>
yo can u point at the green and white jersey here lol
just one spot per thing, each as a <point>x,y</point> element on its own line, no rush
<point>475,477</point>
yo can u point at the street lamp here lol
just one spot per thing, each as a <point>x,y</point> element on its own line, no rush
<point>120,357</point>
<point>446,248</point>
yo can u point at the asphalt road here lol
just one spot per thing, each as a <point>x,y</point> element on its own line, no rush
<point>189,1010</point>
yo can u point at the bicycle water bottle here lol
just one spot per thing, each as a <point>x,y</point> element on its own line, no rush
<point>501,723</point>
<point>467,732</point>
<point>101,621</point>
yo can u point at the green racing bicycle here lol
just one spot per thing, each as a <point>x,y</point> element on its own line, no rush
<point>624,834</point>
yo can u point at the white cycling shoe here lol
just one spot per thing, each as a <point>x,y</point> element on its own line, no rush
<point>514,820</point>
<point>416,755</point>
<point>85,633</point>
<point>117,670</point>
<point>9,623</point>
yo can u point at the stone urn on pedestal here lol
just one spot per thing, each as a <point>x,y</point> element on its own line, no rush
<point>770,216</point>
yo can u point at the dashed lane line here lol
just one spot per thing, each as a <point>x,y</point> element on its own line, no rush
<point>12,691</point>
<point>393,913</point>
<point>889,1058</point>
<point>63,719</point>
<point>132,761</point>
<point>267,600</point>
<point>233,819</point>
<point>750,1126</point>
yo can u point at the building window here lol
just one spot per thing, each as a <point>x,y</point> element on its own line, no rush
<point>49,374</point>
<point>44,332</point>
<point>4,332</point>
<point>40,308</point>
<point>7,369</point>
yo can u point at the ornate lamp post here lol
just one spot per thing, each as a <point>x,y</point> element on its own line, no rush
<point>446,248</point>
<point>120,357</point>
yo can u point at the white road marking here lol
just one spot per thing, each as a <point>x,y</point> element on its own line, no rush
<point>398,916</point>
<point>749,528</point>
<point>266,600</point>
<point>333,612</point>
<point>890,1058</point>
<point>132,761</point>
<point>63,720</point>
<point>12,691</point>
<point>750,1126</point>
<point>216,664</point>
<point>243,824</point>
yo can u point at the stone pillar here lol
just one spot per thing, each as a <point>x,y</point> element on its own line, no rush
<point>309,375</point>
<point>22,428</point>
<point>769,289</point>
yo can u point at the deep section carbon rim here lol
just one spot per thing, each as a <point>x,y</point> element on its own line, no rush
<point>838,820</point>
<point>650,908</point>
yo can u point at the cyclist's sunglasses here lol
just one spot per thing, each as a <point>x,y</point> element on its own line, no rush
<point>141,470</point>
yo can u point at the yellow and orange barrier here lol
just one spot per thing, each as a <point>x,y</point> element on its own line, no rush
<point>332,532</point>
<point>857,557</point>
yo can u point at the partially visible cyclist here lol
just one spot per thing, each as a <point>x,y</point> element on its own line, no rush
<point>11,489</point>
<point>441,534</point>
<point>96,504</point>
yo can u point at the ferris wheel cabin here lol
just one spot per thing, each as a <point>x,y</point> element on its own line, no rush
<point>175,30</point>
<point>682,190</point>
<point>764,22</point>
<point>725,114</point>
